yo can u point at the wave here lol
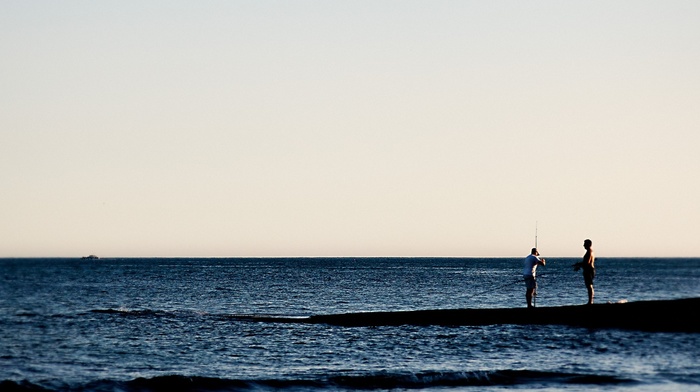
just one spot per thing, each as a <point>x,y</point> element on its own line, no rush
<point>140,313</point>
<point>134,312</point>
<point>371,381</point>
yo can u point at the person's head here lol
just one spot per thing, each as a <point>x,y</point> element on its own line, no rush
<point>534,252</point>
<point>587,244</point>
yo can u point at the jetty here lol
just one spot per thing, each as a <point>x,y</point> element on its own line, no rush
<point>675,315</point>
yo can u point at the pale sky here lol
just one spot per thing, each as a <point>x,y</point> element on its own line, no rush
<point>349,128</point>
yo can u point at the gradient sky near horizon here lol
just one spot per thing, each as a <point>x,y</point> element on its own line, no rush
<point>354,128</point>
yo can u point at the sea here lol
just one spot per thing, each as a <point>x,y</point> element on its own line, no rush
<point>175,324</point>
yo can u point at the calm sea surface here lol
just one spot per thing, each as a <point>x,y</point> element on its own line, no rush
<point>170,324</point>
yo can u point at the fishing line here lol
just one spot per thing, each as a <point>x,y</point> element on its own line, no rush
<point>492,289</point>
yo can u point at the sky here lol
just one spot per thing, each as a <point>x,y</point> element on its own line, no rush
<point>355,128</point>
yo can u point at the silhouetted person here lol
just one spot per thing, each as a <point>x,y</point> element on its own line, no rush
<point>588,266</point>
<point>529,274</point>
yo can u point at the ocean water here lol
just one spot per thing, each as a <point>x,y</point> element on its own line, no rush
<point>173,324</point>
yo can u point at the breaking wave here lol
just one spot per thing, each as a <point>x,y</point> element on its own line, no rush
<point>372,381</point>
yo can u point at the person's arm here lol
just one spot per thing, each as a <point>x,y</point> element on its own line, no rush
<point>580,264</point>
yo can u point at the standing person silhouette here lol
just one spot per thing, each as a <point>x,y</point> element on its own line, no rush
<point>588,266</point>
<point>529,274</point>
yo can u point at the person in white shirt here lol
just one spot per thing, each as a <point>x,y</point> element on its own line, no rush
<point>530,273</point>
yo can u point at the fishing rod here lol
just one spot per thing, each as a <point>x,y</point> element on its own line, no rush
<point>516,281</point>
<point>534,297</point>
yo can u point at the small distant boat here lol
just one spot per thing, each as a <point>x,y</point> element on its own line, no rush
<point>90,257</point>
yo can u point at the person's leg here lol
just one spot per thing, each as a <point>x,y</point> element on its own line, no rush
<point>531,285</point>
<point>590,293</point>
<point>588,281</point>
